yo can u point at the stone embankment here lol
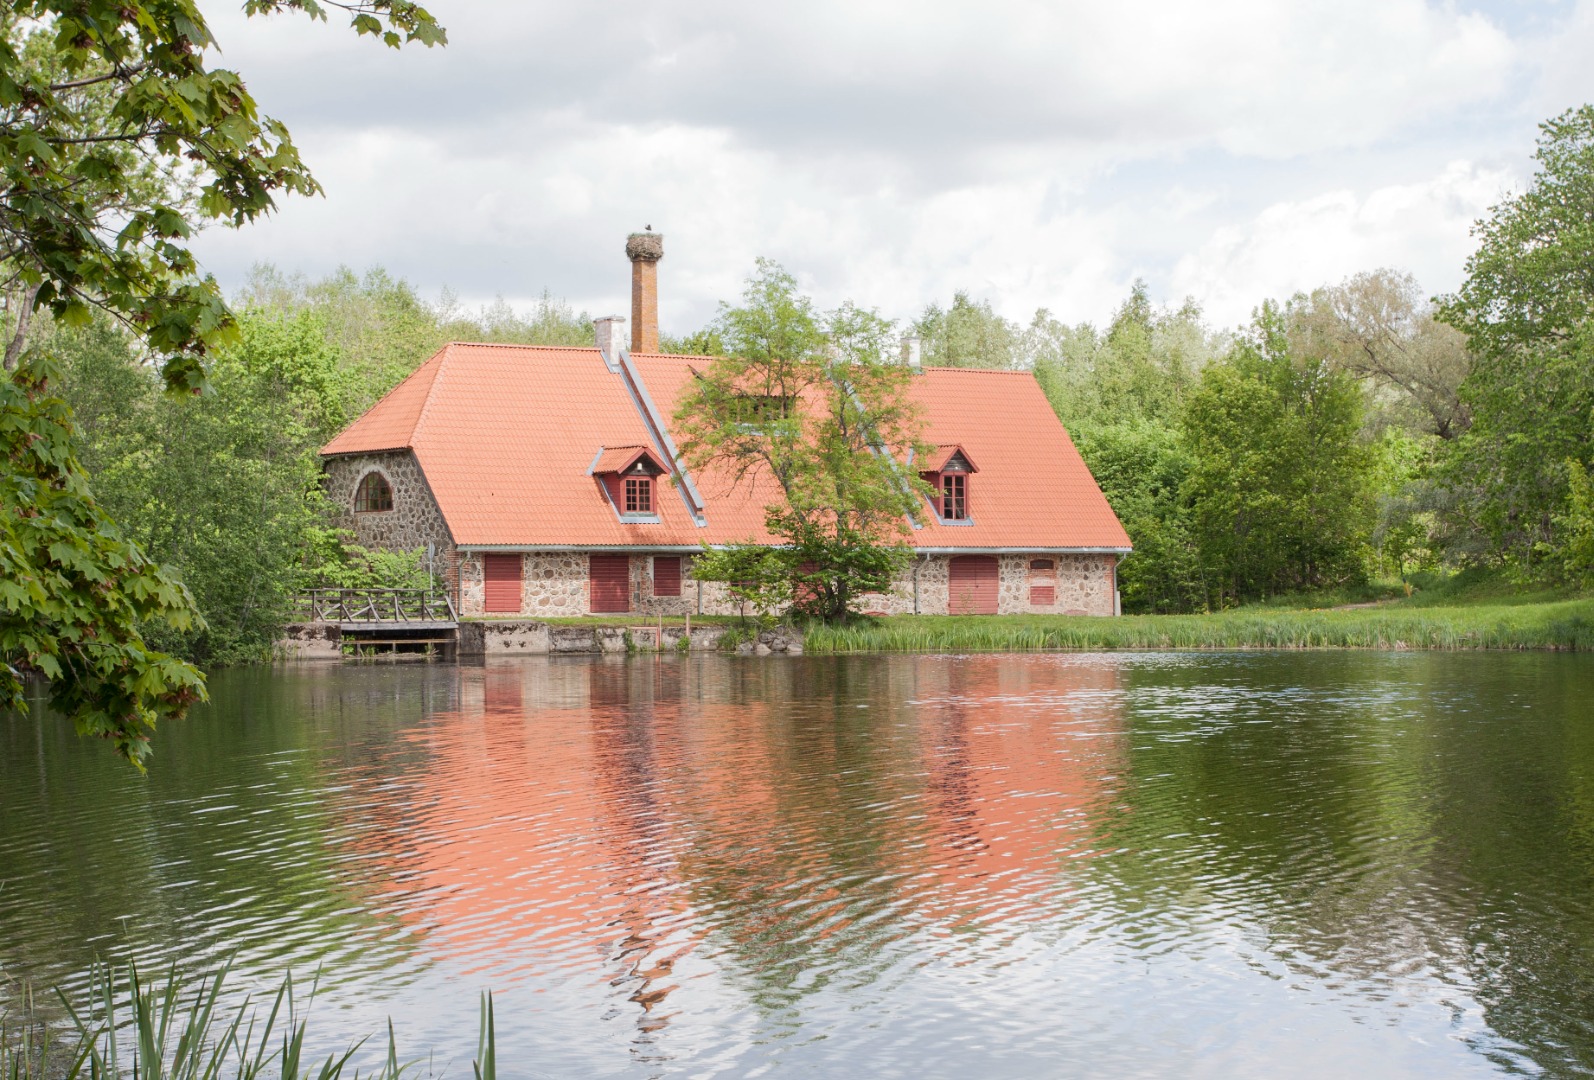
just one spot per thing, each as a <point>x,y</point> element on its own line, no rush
<point>505,637</point>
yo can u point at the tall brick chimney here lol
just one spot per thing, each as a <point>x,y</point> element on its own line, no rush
<point>644,249</point>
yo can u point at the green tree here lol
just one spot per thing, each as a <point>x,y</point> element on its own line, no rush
<point>1120,393</point>
<point>1141,467</point>
<point>1279,485</point>
<point>812,403</point>
<point>224,489</point>
<point>1527,308</point>
<point>967,334</point>
<point>1378,327</point>
<point>96,99</point>
<point>1140,369</point>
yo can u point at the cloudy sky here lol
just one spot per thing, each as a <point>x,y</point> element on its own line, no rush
<point>1036,154</point>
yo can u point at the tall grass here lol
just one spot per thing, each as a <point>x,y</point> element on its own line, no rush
<point>1567,625</point>
<point>167,1032</point>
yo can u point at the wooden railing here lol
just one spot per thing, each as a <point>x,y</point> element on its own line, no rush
<point>395,606</point>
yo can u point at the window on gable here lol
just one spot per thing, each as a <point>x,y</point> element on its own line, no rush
<point>954,497</point>
<point>639,495</point>
<point>373,495</point>
<point>757,412</point>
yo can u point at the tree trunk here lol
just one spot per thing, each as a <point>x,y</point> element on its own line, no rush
<point>19,338</point>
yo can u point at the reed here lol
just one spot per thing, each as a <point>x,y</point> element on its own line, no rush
<point>1564,625</point>
<point>171,1032</point>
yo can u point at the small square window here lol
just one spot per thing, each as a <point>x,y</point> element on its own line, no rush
<point>954,503</point>
<point>638,495</point>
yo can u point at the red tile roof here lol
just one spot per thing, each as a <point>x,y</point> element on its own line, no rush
<point>506,435</point>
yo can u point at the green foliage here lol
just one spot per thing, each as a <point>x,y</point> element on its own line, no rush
<point>116,137</point>
<point>1531,281</point>
<point>95,98</point>
<point>812,403</point>
<point>705,342</point>
<point>1577,525</point>
<point>1141,467</point>
<point>74,592</point>
<point>1378,327</point>
<point>755,575</point>
<point>1527,308</point>
<point>1279,478</point>
<point>968,334</point>
<point>1406,535</point>
<point>224,488</point>
<point>1141,369</point>
<point>334,561</point>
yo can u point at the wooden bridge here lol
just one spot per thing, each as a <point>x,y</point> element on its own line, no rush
<point>391,620</point>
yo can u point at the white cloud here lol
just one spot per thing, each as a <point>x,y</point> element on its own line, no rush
<point>1297,245</point>
<point>1035,153</point>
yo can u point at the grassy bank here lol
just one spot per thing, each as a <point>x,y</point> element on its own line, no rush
<point>1407,624</point>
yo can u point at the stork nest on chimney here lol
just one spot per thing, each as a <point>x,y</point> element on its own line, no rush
<point>644,245</point>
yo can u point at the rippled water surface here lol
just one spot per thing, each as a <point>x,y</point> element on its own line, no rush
<point>1315,864</point>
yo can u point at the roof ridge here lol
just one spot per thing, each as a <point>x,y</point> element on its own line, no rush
<point>420,417</point>
<point>978,370</point>
<point>395,388</point>
<point>514,345</point>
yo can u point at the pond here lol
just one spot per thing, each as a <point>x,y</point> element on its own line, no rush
<point>1218,864</point>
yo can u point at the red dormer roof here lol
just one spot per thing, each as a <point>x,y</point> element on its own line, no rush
<point>937,459</point>
<point>616,459</point>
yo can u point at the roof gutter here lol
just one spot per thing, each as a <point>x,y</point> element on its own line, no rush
<point>639,548</point>
<point>630,549</point>
<point>1027,550</point>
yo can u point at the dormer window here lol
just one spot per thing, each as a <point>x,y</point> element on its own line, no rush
<point>374,494</point>
<point>949,472</point>
<point>639,495</point>
<point>626,475</point>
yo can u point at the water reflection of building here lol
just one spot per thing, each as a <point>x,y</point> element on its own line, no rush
<point>602,819</point>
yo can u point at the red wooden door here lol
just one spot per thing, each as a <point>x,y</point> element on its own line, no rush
<point>501,575</point>
<point>610,578</point>
<point>973,585</point>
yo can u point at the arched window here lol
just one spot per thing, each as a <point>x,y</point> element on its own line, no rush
<point>373,494</point>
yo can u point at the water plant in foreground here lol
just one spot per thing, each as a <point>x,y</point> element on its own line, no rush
<point>163,1032</point>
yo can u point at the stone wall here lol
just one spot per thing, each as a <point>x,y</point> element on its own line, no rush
<point>555,584</point>
<point>414,520</point>
<point>1082,585</point>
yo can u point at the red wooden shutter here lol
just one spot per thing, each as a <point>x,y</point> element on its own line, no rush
<point>501,574</point>
<point>1042,595</point>
<point>610,578</point>
<point>972,585</point>
<point>666,575</point>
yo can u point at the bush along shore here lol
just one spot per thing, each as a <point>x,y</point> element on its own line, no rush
<point>1559,625</point>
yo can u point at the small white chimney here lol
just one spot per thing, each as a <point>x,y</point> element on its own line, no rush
<point>910,352</point>
<point>610,332</point>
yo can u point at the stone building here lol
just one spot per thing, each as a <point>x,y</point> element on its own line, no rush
<point>545,481</point>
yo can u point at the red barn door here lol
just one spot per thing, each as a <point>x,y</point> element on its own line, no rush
<point>501,574</point>
<point>610,576</point>
<point>973,585</point>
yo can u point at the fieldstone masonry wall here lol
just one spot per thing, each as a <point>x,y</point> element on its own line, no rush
<point>555,584</point>
<point>414,520</point>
